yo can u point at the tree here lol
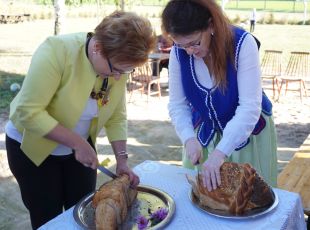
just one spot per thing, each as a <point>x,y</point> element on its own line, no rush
<point>305,11</point>
<point>120,3</point>
<point>59,6</point>
<point>223,4</point>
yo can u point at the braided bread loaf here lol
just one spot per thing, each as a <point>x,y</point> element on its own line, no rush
<point>241,190</point>
<point>112,201</point>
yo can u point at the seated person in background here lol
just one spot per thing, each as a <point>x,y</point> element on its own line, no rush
<point>164,45</point>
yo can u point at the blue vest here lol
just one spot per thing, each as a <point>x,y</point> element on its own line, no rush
<point>212,109</point>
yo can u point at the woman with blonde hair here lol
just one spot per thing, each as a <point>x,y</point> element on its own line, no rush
<point>216,100</point>
<point>75,86</point>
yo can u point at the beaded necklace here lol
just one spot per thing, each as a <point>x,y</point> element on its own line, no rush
<point>102,96</point>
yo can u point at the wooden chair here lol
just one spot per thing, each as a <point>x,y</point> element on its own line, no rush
<point>143,79</point>
<point>297,70</point>
<point>271,67</point>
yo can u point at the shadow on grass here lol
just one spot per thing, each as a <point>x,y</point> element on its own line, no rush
<point>298,132</point>
<point>290,138</point>
<point>157,140</point>
<point>148,140</point>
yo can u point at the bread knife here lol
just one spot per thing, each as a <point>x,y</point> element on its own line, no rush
<point>106,171</point>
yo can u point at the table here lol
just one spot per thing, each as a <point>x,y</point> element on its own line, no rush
<point>156,58</point>
<point>288,215</point>
<point>159,56</point>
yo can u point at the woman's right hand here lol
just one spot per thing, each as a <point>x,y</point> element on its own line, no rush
<point>83,151</point>
<point>86,155</point>
<point>193,150</point>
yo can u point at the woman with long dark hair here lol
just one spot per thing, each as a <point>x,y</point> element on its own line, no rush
<point>216,100</point>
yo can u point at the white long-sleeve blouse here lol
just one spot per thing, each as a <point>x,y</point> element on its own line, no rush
<point>239,128</point>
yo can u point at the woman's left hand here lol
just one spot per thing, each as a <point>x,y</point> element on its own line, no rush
<point>122,168</point>
<point>211,170</point>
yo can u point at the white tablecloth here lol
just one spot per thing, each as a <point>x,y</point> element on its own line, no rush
<point>288,215</point>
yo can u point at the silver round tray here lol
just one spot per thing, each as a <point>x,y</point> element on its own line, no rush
<point>148,199</point>
<point>223,214</point>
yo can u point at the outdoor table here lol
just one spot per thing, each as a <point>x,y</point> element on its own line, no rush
<point>156,58</point>
<point>159,56</point>
<point>171,179</point>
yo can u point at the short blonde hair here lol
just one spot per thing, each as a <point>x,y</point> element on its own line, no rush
<point>125,37</point>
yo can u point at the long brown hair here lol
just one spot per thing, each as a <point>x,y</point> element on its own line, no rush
<point>184,17</point>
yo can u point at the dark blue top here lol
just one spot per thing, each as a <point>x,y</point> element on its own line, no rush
<point>212,108</point>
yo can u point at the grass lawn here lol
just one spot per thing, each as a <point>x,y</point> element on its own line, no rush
<point>283,37</point>
<point>276,6</point>
<point>18,42</point>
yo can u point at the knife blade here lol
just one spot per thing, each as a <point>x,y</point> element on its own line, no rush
<point>106,171</point>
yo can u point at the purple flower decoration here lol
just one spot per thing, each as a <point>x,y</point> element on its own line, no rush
<point>160,214</point>
<point>154,219</point>
<point>142,222</point>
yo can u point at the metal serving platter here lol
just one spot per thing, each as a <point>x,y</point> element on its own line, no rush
<point>148,199</point>
<point>223,214</point>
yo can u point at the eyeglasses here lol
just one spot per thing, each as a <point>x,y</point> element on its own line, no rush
<point>192,45</point>
<point>118,72</point>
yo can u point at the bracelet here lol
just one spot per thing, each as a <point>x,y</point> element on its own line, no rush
<point>121,153</point>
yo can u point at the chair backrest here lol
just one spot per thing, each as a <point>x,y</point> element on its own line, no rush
<point>298,65</point>
<point>143,73</point>
<point>271,63</point>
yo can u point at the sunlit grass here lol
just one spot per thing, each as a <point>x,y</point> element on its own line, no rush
<point>275,6</point>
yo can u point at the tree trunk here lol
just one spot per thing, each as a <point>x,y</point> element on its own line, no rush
<point>122,5</point>
<point>223,4</point>
<point>305,11</point>
<point>59,6</point>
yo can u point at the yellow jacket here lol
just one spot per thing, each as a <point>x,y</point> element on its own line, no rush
<point>56,90</point>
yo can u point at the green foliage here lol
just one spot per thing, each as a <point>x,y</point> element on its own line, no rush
<point>44,2</point>
<point>6,95</point>
<point>273,6</point>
